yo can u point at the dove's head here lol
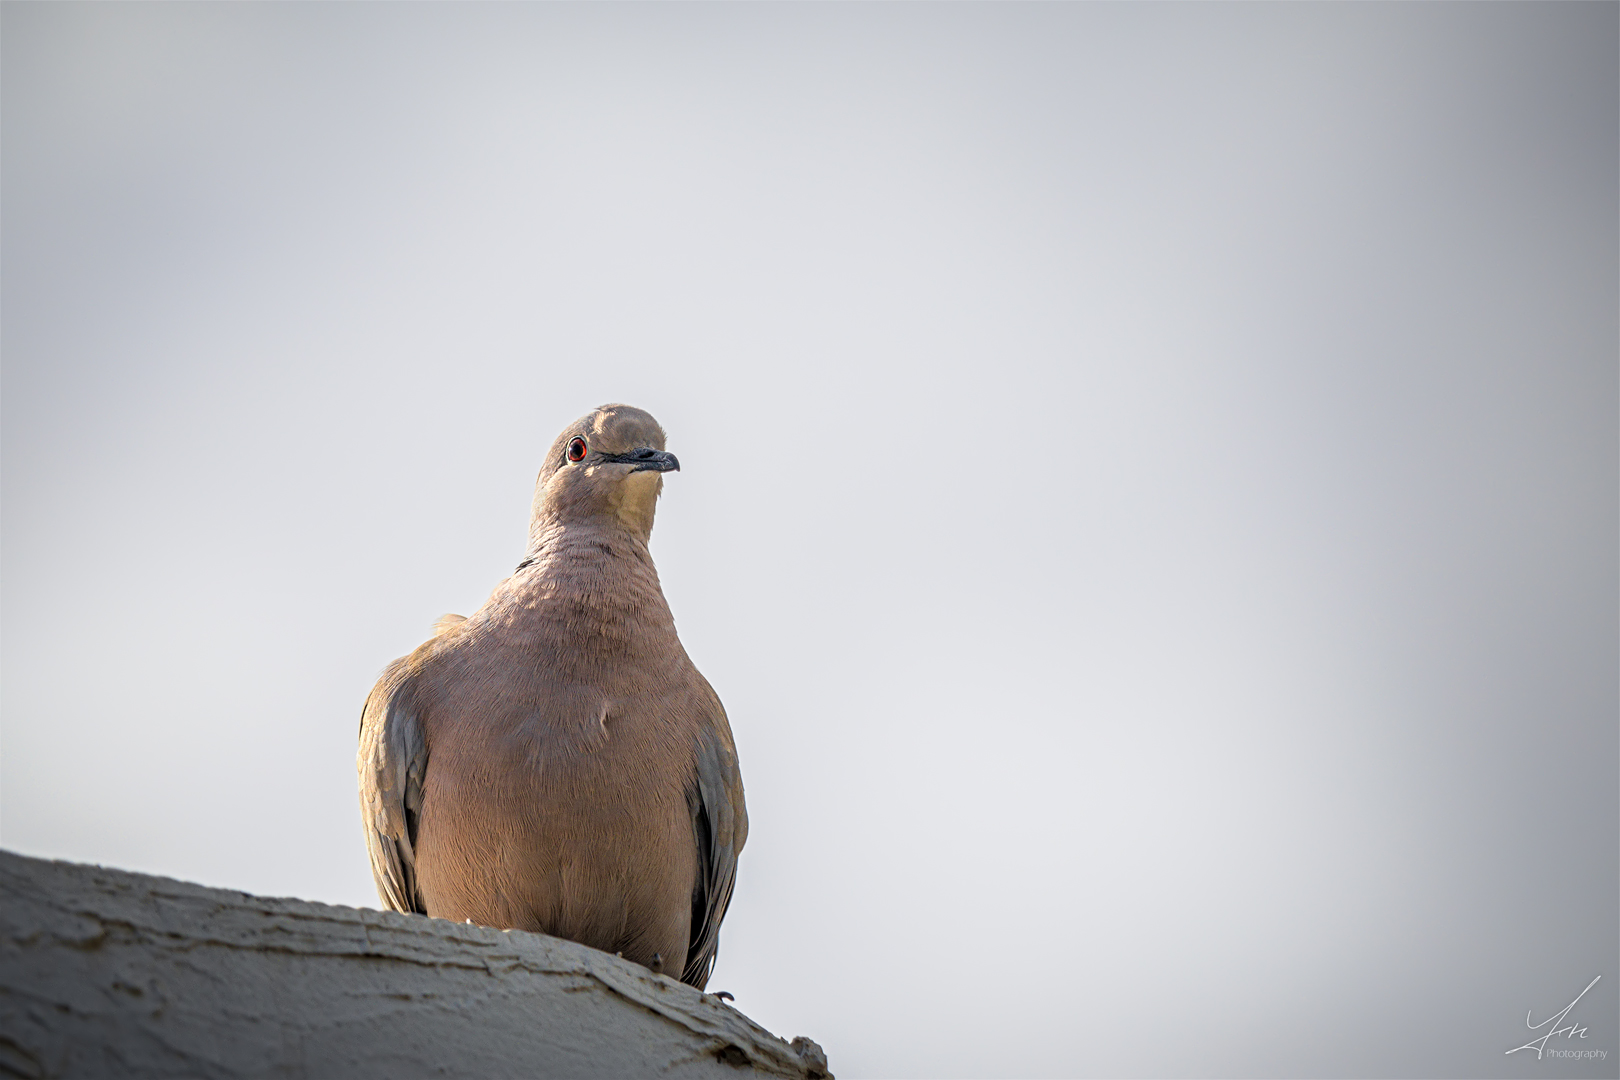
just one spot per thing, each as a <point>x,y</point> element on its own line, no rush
<point>606,467</point>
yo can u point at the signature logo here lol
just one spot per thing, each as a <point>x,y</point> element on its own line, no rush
<point>1574,1030</point>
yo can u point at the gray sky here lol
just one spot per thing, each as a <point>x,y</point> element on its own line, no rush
<point>1149,494</point>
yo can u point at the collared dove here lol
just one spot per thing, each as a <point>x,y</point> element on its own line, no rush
<point>554,761</point>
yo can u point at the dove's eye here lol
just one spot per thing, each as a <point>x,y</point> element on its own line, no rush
<point>576,449</point>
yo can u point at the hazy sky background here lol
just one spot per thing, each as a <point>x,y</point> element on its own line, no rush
<point>1149,494</point>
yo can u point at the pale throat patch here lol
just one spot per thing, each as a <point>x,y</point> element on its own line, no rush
<point>638,498</point>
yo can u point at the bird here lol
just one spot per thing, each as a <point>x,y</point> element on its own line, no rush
<point>555,762</point>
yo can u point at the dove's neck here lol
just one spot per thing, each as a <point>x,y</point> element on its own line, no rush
<point>558,546</point>
<point>591,577</point>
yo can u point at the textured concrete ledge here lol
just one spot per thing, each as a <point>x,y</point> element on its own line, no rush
<point>107,973</point>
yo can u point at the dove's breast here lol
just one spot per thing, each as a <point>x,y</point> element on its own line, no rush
<point>555,796</point>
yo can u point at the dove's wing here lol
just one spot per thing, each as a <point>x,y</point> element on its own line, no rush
<point>720,826</point>
<point>392,764</point>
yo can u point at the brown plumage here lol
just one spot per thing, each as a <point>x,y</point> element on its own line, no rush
<point>554,761</point>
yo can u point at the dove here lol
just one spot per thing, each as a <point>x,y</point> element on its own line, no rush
<point>554,761</point>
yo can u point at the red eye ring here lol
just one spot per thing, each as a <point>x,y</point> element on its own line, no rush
<point>576,449</point>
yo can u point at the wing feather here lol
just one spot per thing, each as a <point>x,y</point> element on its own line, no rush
<point>392,763</point>
<point>720,826</point>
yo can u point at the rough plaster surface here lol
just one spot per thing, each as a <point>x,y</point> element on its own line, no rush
<point>107,973</point>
